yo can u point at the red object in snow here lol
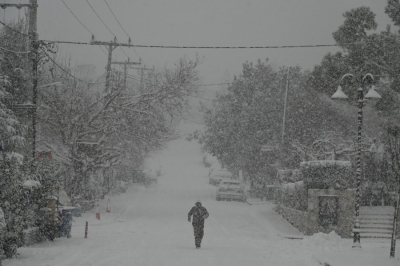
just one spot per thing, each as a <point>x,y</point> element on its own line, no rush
<point>44,155</point>
<point>108,208</point>
<point>86,229</point>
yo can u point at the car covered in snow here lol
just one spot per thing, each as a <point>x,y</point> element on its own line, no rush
<point>150,178</point>
<point>230,189</point>
<point>216,176</point>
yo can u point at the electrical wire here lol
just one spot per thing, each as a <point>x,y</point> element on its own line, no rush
<point>77,17</point>
<point>51,59</point>
<point>81,23</point>
<point>15,52</point>
<point>121,26</point>
<point>214,47</point>
<point>201,85</point>
<point>189,95</point>
<point>215,84</point>
<point>123,51</point>
<point>87,1</point>
<point>116,18</point>
<point>2,23</point>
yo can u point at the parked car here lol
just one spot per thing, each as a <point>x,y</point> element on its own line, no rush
<point>231,190</point>
<point>216,176</point>
<point>150,178</point>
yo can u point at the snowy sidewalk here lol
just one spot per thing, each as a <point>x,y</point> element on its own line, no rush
<point>256,201</point>
<point>371,253</point>
<point>148,226</point>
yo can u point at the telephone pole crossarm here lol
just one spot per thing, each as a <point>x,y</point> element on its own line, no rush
<point>126,64</point>
<point>19,6</point>
<point>111,43</point>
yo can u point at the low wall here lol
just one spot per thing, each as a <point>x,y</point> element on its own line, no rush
<point>310,222</point>
<point>345,211</point>
<point>298,219</point>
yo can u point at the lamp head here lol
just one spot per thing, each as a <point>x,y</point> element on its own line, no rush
<point>372,94</point>
<point>339,94</point>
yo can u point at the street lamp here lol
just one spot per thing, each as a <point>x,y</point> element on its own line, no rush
<point>372,94</point>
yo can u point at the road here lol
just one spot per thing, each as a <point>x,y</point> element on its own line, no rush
<point>148,226</point>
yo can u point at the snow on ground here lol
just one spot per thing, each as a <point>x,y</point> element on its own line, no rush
<point>148,226</point>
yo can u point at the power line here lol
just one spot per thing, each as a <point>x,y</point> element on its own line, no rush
<point>189,95</point>
<point>106,24</point>
<point>215,84</point>
<point>13,29</point>
<point>213,47</point>
<point>81,23</point>
<point>15,52</point>
<point>124,52</point>
<point>77,17</point>
<point>87,1</point>
<point>51,59</point>
<point>121,27</point>
<point>116,18</point>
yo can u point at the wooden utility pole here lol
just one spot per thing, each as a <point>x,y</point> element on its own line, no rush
<point>34,57</point>
<point>126,64</point>
<point>110,47</point>
<point>284,106</point>
<point>141,76</point>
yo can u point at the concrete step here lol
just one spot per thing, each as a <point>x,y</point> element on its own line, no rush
<point>380,231</point>
<point>377,213</point>
<point>376,226</point>
<point>377,208</point>
<point>375,235</point>
<point>375,221</point>
<point>375,218</point>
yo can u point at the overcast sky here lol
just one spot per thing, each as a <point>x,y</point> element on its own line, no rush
<point>199,23</point>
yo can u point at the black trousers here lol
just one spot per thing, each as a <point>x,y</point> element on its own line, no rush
<point>198,234</point>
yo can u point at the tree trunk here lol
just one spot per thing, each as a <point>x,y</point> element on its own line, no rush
<point>396,212</point>
<point>394,134</point>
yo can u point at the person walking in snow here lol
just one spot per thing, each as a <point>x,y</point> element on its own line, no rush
<point>199,214</point>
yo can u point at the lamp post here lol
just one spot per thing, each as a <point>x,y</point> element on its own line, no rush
<point>372,94</point>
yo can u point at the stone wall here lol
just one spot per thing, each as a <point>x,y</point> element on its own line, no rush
<point>297,218</point>
<point>345,211</point>
<point>309,222</point>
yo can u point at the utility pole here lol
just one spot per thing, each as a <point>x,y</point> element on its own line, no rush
<point>111,46</point>
<point>126,64</point>
<point>34,57</point>
<point>141,76</point>
<point>32,47</point>
<point>110,49</point>
<point>284,106</point>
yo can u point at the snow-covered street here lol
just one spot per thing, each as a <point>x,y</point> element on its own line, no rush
<point>148,226</point>
<point>192,133</point>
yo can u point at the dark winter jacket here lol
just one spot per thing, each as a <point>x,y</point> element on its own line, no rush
<point>199,214</point>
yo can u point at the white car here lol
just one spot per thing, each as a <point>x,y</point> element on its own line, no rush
<point>216,176</point>
<point>231,190</point>
<point>150,178</point>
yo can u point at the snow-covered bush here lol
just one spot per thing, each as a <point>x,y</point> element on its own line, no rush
<point>294,196</point>
<point>209,160</point>
<point>47,174</point>
<point>13,205</point>
<point>327,174</point>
